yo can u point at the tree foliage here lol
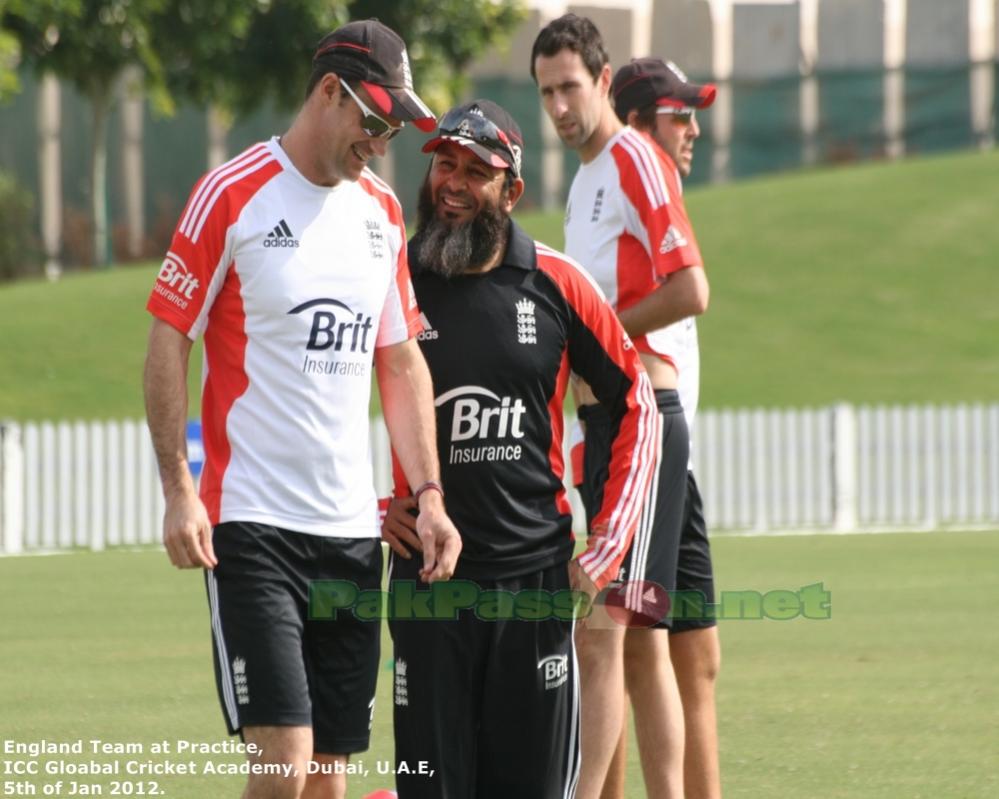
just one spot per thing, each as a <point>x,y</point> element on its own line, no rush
<point>10,55</point>
<point>237,54</point>
<point>85,42</point>
<point>89,43</point>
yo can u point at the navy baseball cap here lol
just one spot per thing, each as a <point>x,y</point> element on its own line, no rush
<point>371,53</point>
<point>484,128</point>
<point>652,81</point>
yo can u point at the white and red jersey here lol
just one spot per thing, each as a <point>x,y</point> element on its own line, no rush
<point>625,222</point>
<point>293,285</point>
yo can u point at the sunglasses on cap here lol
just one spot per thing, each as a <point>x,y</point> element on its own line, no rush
<point>682,115</point>
<point>371,124</point>
<point>458,122</point>
<point>685,111</point>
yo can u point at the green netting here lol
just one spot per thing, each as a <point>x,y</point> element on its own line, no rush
<point>851,116</point>
<point>766,136</point>
<point>766,133</point>
<point>938,110</point>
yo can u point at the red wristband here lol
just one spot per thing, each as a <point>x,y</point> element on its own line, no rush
<point>430,485</point>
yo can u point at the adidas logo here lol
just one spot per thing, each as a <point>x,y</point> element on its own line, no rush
<point>428,333</point>
<point>673,239</point>
<point>281,236</point>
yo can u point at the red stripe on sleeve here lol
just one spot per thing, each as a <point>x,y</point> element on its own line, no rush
<point>181,297</point>
<point>555,458</point>
<point>180,293</point>
<point>225,382</point>
<point>633,451</point>
<point>649,181</point>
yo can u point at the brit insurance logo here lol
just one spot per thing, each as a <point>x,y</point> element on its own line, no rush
<point>175,283</point>
<point>555,670</point>
<point>480,415</point>
<point>336,332</point>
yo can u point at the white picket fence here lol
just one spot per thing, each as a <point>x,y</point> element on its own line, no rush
<point>841,468</point>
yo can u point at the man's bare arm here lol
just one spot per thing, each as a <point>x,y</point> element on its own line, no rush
<point>685,293</point>
<point>408,406</point>
<point>187,532</point>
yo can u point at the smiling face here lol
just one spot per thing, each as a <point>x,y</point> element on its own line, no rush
<point>344,149</point>
<point>463,213</point>
<point>575,102</point>
<point>462,184</point>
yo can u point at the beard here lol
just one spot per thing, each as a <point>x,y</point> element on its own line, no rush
<point>448,249</point>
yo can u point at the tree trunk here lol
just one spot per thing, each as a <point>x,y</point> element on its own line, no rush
<point>100,101</point>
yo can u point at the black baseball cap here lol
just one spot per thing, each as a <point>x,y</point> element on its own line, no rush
<point>484,128</point>
<point>371,53</point>
<point>652,81</point>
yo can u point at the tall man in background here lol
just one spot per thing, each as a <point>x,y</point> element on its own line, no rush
<point>625,222</point>
<point>291,260</point>
<point>656,98</point>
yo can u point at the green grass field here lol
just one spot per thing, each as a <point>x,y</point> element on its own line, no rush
<point>893,697</point>
<point>873,283</point>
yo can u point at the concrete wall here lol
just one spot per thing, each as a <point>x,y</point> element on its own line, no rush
<point>851,34</point>
<point>683,31</point>
<point>617,26</point>
<point>766,40</point>
<point>937,32</point>
<point>983,32</point>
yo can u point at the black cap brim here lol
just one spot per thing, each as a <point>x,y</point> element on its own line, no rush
<point>483,153</point>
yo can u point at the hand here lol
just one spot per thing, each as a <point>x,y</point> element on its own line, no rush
<point>399,527</point>
<point>187,533</point>
<point>440,538</point>
<point>580,581</point>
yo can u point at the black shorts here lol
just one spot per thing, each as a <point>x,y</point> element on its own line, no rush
<point>655,548</point>
<point>695,582</point>
<point>274,666</point>
<point>491,707</point>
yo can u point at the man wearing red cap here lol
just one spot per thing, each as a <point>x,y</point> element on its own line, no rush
<point>486,693</point>
<point>626,224</point>
<point>655,97</point>
<point>291,260</point>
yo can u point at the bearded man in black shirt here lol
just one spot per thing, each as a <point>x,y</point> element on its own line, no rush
<point>486,690</point>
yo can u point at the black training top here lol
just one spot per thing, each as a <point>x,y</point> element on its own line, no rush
<point>500,346</point>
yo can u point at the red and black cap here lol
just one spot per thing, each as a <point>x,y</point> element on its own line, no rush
<point>372,54</point>
<point>652,81</point>
<point>484,128</point>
